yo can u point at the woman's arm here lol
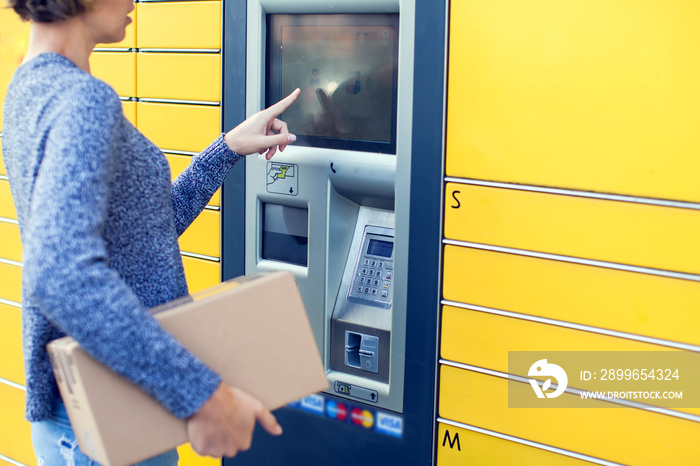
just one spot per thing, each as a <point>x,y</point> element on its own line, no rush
<point>262,133</point>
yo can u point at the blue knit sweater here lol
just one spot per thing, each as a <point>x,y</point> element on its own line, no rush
<point>99,222</point>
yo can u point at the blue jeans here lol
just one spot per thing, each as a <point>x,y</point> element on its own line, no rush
<point>55,444</point>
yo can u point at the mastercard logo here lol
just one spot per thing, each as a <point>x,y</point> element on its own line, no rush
<point>362,417</point>
<point>336,410</point>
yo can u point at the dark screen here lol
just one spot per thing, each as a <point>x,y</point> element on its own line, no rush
<point>380,248</point>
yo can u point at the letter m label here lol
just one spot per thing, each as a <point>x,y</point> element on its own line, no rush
<point>452,441</point>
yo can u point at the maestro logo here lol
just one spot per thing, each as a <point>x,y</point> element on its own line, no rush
<point>543,369</point>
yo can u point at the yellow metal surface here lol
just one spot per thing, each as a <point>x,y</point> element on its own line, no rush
<point>189,457</point>
<point>599,95</point>
<point>178,163</point>
<point>180,76</point>
<point>130,111</point>
<point>3,170</point>
<point>459,447</point>
<point>15,434</point>
<point>7,205</point>
<point>629,302</point>
<point>11,282</point>
<point>625,435</point>
<point>621,232</point>
<point>14,40</point>
<point>10,243</point>
<point>179,127</point>
<point>484,340</point>
<point>179,25</point>
<point>129,40</point>
<point>11,363</point>
<point>118,69</point>
<point>201,274</point>
<point>204,235</point>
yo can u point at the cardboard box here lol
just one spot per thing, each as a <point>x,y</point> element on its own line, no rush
<point>251,330</point>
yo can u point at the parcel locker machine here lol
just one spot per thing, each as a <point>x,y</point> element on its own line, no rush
<point>349,209</point>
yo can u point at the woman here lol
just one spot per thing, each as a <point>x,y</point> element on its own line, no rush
<point>99,222</point>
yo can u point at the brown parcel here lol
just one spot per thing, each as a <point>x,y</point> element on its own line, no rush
<point>251,330</point>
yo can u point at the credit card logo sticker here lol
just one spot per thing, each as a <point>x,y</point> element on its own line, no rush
<point>313,403</point>
<point>336,410</point>
<point>361,417</point>
<point>390,424</point>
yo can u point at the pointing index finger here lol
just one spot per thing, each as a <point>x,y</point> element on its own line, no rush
<point>275,110</point>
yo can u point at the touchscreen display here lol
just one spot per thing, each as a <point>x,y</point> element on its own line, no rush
<point>347,74</point>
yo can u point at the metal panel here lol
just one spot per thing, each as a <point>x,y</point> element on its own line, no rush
<point>622,232</point>
<point>7,205</point>
<point>625,435</point>
<point>179,127</point>
<point>178,163</point>
<point>11,245</point>
<point>3,170</point>
<point>129,109</point>
<point>11,363</point>
<point>484,340</point>
<point>536,98</point>
<point>200,273</point>
<point>15,435</point>
<point>458,446</point>
<point>203,236</point>
<point>628,302</point>
<point>11,283</point>
<point>180,25</point>
<point>118,69</point>
<point>179,76</point>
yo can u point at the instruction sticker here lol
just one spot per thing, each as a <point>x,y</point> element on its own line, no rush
<point>282,178</point>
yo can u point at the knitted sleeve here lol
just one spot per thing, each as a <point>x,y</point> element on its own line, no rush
<point>200,180</point>
<point>66,262</point>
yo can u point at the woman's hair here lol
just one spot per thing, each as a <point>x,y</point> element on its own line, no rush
<point>48,11</point>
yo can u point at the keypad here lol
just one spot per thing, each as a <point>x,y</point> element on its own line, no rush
<point>373,280</point>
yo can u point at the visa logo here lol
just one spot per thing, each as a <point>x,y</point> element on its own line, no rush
<point>313,403</point>
<point>390,424</point>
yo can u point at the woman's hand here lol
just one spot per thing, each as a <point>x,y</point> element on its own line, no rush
<point>263,132</point>
<point>224,424</point>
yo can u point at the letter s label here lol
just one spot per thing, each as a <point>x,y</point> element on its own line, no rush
<point>454,196</point>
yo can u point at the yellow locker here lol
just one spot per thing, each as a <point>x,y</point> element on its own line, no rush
<point>625,435</point>
<point>621,232</point>
<point>15,433</point>
<point>625,301</point>
<point>11,282</point>
<point>3,170</point>
<point>11,245</point>
<point>11,363</point>
<point>7,205</point>
<point>178,163</point>
<point>14,40</point>
<point>200,273</point>
<point>179,25</point>
<point>598,95</point>
<point>484,340</point>
<point>179,76</point>
<point>189,457</point>
<point>203,236</point>
<point>179,127</point>
<point>118,69</point>
<point>130,111</point>
<point>129,40</point>
<point>459,447</point>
